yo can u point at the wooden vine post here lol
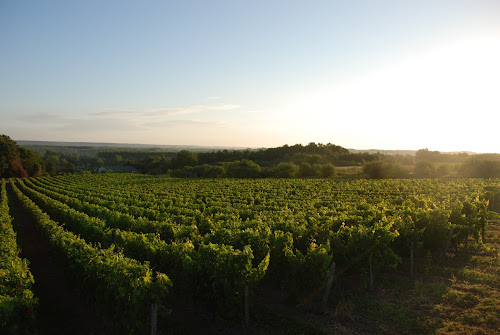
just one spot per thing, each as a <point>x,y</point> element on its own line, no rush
<point>247,311</point>
<point>447,244</point>
<point>328,285</point>
<point>371,273</point>
<point>467,239</point>
<point>411,260</point>
<point>154,318</point>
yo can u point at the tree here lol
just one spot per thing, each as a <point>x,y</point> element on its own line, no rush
<point>10,159</point>
<point>442,170</point>
<point>483,166</point>
<point>8,154</point>
<point>66,166</point>
<point>376,169</point>
<point>307,170</point>
<point>152,165</point>
<point>430,156</point>
<point>97,162</point>
<point>284,170</point>
<point>244,168</point>
<point>327,170</point>
<point>425,169</point>
<point>212,171</point>
<point>32,163</point>
<point>380,169</point>
<point>50,168</point>
<point>184,158</point>
<point>313,159</point>
<point>118,159</point>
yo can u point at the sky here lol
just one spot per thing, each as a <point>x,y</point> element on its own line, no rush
<point>359,74</point>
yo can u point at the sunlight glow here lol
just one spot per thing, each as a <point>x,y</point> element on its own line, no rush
<point>445,98</point>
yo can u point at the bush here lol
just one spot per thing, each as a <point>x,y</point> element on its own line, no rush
<point>243,169</point>
<point>284,170</point>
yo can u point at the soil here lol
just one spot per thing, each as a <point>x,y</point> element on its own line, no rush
<point>61,308</point>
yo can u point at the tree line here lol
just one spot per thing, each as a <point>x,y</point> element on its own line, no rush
<point>314,160</point>
<point>433,164</point>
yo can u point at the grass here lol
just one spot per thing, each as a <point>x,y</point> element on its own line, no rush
<point>460,296</point>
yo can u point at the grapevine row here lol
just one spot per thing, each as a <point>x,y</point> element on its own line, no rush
<point>209,272</point>
<point>212,237</point>
<point>121,286</point>
<point>16,296</point>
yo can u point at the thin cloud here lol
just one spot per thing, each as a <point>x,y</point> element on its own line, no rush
<point>45,117</point>
<point>114,112</point>
<point>189,123</point>
<point>166,111</point>
<point>191,109</point>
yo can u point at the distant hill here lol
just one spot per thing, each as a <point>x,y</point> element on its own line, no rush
<point>196,148</point>
<point>405,152</point>
<point>99,146</point>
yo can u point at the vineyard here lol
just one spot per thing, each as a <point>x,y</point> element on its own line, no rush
<point>141,245</point>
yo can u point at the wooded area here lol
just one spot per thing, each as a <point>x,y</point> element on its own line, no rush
<point>297,161</point>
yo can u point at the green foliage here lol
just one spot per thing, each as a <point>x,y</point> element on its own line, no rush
<point>8,154</point>
<point>243,169</point>
<point>213,237</point>
<point>184,158</point>
<point>222,272</point>
<point>425,169</point>
<point>10,160</point>
<point>470,218</point>
<point>31,162</point>
<point>425,155</point>
<point>123,287</point>
<point>181,258</point>
<point>307,170</point>
<point>16,297</point>
<point>481,166</point>
<point>377,170</point>
<point>284,170</point>
<point>16,161</point>
<point>327,171</point>
<point>380,169</point>
<point>355,245</point>
<point>311,271</point>
<point>435,224</point>
<point>211,171</point>
<point>312,153</point>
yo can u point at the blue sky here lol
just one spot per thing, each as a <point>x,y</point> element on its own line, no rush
<point>361,74</point>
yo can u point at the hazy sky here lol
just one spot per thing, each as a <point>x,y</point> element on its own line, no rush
<point>360,74</point>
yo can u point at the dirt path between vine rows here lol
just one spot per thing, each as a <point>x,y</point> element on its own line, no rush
<point>61,308</point>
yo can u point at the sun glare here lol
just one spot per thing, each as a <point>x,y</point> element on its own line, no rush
<point>445,98</point>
